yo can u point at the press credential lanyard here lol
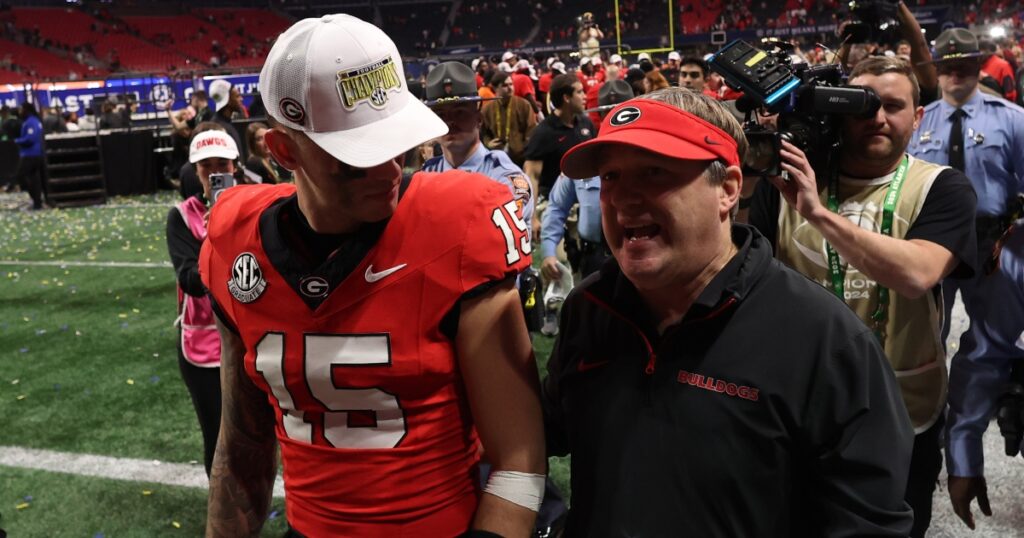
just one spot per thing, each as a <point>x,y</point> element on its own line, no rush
<point>838,272</point>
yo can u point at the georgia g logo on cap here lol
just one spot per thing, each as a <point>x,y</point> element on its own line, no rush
<point>625,116</point>
<point>293,110</point>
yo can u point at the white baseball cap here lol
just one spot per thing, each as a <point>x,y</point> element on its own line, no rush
<point>558,66</point>
<point>674,56</point>
<point>474,64</point>
<point>220,92</point>
<point>522,64</point>
<point>596,60</point>
<point>615,59</point>
<point>340,80</point>
<point>585,60</point>
<point>643,56</point>
<point>212,144</point>
<point>508,55</point>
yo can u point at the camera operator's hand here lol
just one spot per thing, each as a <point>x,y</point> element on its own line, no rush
<point>801,188</point>
<point>963,490</point>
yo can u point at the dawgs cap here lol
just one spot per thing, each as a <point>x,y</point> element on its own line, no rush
<point>212,144</point>
<point>340,80</point>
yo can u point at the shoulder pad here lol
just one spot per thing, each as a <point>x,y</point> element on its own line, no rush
<point>933,105</point>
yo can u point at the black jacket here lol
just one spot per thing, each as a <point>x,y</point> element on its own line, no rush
<point>769,410</point>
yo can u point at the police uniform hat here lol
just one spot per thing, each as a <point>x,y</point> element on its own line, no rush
<point>451,82</point>
<point>614,92</point>
<point>955,44</point>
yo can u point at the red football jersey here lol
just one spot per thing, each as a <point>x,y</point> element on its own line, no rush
<point>375,431</point>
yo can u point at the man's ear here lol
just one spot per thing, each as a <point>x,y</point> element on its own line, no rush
<point>731,188</point>
<point>282,147</point>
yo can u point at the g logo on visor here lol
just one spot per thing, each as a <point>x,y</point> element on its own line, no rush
<point>625,116</point>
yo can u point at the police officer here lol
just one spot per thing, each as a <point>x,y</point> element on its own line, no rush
<point>983,136</point>
<point>452,94</point>
<point>592,249</point>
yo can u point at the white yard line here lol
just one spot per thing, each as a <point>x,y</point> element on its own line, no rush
<point>127,469</point>
<point>142,265</point>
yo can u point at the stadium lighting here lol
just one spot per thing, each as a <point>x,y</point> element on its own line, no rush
<point>997,32</point>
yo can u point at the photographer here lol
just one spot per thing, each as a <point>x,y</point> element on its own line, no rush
<point>887,222</point>
<point>590,36</point>
<point>919,50</point>
<point>212,151</point>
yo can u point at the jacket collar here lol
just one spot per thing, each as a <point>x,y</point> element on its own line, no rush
<point>731,284</point>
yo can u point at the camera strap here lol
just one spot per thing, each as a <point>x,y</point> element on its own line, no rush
<point>892,195</point>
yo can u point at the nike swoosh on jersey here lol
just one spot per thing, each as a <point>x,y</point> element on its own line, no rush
<point>586,366</point>
<point>373,277</point>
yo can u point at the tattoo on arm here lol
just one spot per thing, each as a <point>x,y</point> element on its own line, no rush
<point>244,464</point>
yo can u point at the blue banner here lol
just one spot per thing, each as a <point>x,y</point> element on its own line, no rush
<point>154,94</point>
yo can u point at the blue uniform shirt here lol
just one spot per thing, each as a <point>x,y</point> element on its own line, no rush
<point>981,368</point>
<point>496,165</point>
<point>30,143</point>
<point>565,193</point>
<point>993,147</point>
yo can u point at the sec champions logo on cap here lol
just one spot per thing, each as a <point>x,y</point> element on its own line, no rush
<point>369,83</point>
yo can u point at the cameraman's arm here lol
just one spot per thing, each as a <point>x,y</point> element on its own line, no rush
<point>919,50</point>
<point>910,267</point>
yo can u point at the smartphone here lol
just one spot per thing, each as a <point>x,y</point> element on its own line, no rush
<point>219,182</point>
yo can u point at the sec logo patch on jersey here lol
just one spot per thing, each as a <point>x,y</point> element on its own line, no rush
<point>247,282</point>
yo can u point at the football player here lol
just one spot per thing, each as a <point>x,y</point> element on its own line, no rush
<point>370,323</point>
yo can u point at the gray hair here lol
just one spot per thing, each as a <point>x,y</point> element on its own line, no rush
<point>711,111</point>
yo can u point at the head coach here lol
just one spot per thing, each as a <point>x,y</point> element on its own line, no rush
<point>702,388</point>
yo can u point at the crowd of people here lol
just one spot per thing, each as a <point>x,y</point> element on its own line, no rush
<point>689,369</point>
<point>765,350</point>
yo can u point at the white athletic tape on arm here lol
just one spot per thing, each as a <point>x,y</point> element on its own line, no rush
<point>524,489</point>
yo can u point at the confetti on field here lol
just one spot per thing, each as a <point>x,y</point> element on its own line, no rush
<point>130,381</point>
<point>23,350</point>
<point>146,493</point>
<point>176,525</point>
<point>21,506</point>
<point>155,379</point>
<point>15,381</point>
<point>273,515</point>
<point>122,316</point>
<point>27,498</point>
<point>99,535</point>
<point>21,397</point>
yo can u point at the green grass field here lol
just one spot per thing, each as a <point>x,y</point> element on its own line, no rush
<point>88,366</point>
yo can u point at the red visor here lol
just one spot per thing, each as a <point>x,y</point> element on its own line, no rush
<point>656,127</point>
